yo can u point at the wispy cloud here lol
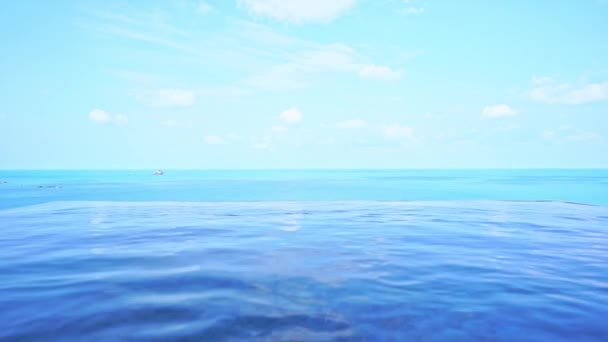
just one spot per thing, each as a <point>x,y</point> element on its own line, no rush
<point>153,28</point>
<point>214,140</point>
<point>379,72</point>
<point>571,134</point>
<point>412,8</point>
<point>264,36</point>
<point>169,97</point>
<point>297,11</point>
<point>152,38</point>
<point>270,60</point>
<point>398,131</point>
<point>102,117</point>
<point>551,91</point>
<point>291,116</point>
<point>204,7</point>
<point>498,111</point>
<point>296,71</point>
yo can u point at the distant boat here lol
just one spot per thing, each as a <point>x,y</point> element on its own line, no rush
<point>159,173</point>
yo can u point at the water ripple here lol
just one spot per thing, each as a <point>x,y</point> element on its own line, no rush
<point>478,270</point>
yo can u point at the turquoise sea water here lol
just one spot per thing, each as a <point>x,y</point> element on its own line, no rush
<point>584,186</point>
<point>497,255</point>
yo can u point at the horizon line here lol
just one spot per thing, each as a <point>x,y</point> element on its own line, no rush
<point>305,169</point>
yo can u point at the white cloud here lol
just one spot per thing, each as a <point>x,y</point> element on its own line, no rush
<point>549,91</point>
<point>291,116</point>
<point>498,111</point>
<point>204,7</point>
<point>295,72</point>
<point>168,97</point>
<point>298,11</point>
<point>299,68</point>
<point>333,57</point>
<point>214,140</point>
<point>379,72</point>
<point>101,117</point>
<point>176,97</point>
<point>541,79</point>
<point>411,9</point>
<point>354,123</point>
<point>398,131</point>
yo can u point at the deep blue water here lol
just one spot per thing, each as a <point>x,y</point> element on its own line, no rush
<point>304,255</point>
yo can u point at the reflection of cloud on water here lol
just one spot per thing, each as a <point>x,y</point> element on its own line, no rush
<point>97,250</point>
<point>97,219</point>
<point>290,220</point>
<point>291,224</point>
<point>98,216</point>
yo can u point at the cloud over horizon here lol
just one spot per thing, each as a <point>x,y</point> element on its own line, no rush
<point>307,82</point>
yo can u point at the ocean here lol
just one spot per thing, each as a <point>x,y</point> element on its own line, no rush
<point>309,255</point>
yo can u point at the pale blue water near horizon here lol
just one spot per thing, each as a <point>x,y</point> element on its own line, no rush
<point>583,186</point>
<point>497,255</point>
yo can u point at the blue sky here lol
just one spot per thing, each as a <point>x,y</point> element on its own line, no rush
<point>304,84</point>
